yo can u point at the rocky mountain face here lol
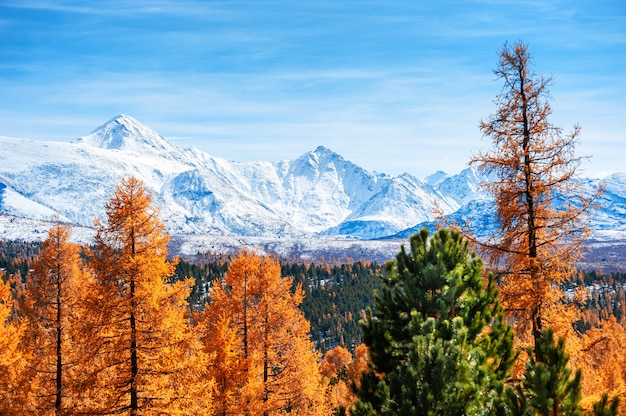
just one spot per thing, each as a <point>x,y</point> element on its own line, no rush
<point>318,194</point>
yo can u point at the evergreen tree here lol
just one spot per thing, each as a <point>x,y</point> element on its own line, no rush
<point>548,383</point>
<point>603,408</point>
<point>437,339</point>
<point>548,387</point>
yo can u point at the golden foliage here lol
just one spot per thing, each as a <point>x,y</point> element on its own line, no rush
<point>359,365</point>
<point>334,367</point>
<point>13,398</point>
<point>335,362</point>
<point>264,361</point>
<point>603,362</point>
<point>541,210</point>
<point>145,353</point>
<point>51,304</point>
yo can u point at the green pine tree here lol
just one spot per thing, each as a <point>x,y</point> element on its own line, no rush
<point>437,338</point>
<point>603,408</point>
<point>548,387</point>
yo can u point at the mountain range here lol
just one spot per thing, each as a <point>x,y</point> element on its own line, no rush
<point>317,195</point>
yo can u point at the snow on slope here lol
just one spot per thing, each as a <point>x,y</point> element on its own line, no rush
<point>199,193</point>
<point>319,193</point>
<point>464,187</point>
<point>611,212</point>
<point>28,229</point>
<point>12,202</point>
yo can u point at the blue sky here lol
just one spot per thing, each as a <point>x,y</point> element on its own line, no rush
<point>394,86</point>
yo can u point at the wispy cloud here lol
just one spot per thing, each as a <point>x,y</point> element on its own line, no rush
<point>122,7</point>
<point>394,86</point>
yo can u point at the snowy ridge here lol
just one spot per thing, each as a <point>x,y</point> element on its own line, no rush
<point>318,194</point>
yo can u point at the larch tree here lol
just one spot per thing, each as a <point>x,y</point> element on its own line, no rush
<point>604,364</point>
<point>334,368</point>
<point>146,360</point>
<point>51,304</point>
<point>437,339</point>
<point>541,209</point>
<point>264,361</point>
<point>358,366</point>
<point>13,396</point>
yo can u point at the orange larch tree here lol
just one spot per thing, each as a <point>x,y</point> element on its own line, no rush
<point>147,358</point>
<point>358,366</point>
<point>334,368</point>
<point>604,363</point>
<point>13,397</point>
<point>51,303</point>
<point>541,209</point>
<point>265,363</point>
<point>225,365</point>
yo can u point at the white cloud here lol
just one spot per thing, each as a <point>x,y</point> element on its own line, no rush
<point>394,86</point>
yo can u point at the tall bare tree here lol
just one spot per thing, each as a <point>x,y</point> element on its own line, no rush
<point>541,209</point>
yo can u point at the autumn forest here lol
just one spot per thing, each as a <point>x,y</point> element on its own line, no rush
<point>453,325</point>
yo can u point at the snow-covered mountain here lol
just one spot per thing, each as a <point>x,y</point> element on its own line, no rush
<point>319,193</point>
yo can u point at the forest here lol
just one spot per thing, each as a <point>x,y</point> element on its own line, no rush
<point>452,325</point>
<point>216,336</point>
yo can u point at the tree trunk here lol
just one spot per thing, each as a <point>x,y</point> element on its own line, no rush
<point>530,202</point>
<point>134,367</point>
<point>59,356</point>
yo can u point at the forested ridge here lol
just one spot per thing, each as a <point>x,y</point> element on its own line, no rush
<point>336,295</point>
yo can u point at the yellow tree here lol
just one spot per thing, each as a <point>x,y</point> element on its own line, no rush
<point>604,363</point>
<point>147,360</point>
<point>334,368</point>
<point>51,304</point>
<point>541,210</point>
<point>265,364</point>
<point>358,366</point>
<point>225,365</point>
<point>12,393</point>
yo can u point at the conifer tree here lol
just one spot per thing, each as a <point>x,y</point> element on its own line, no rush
<point>437,339</point>
<point>265,364</point>
<point>13,393</point>
<point>51,305</point>
<point>226,366</point>
<point>603,408</point>
<point>548,387</point>
<point>334,368</point>
<point>541,210</point>
<point>604,364</point>
<point>146,360</point>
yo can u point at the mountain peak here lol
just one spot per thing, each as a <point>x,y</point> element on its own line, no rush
<point>323,153</point>
<point>322,149</point>
<point>125,133</point>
